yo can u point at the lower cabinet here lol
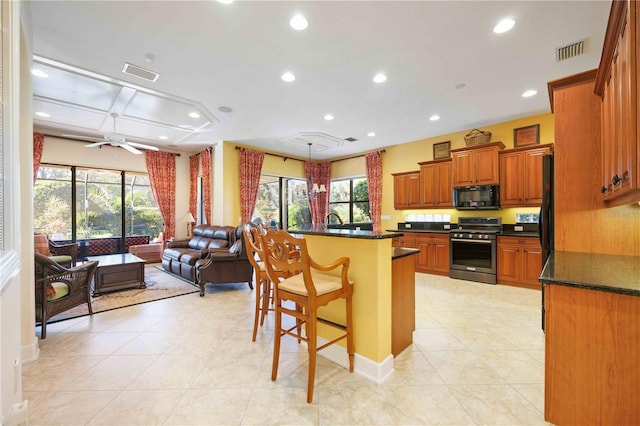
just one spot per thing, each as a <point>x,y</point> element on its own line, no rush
<point>434,253</point>
<point>519,261</point>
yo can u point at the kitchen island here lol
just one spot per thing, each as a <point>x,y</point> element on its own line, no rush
<point>383,295</point>
<point>592,338</point>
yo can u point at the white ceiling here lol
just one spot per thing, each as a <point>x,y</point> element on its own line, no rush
<point>211,55</point>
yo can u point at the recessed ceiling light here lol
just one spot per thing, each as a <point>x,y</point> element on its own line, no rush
<point>164,138</point>
<point>380,78</point>
<point>460,86</point>
<point>434,117</point>
<point>371,134</point>
<point>43,114</point>
<point>39,73</point>
<point>299,22</point>
<point>288,77</point>
<point>328,117</point>
<point>225,109</point>
<point>225,1</point>
<point>504,26</point>
<point>529,93</point>
<point>194,114</point>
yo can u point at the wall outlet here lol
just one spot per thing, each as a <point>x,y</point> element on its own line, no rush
<point>385,217</point>
<point>518,228</point>
<point>407,225</point>
<point>447,227</point>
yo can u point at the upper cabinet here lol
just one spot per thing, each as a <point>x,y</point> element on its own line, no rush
<point>477,165</point>
<point>406,194</point>
<point>617,84</point>
<point>521,176</point>
<point>435,184</point>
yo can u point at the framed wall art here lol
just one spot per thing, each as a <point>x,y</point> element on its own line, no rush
<point>441,150</point>
<point>525,136</point>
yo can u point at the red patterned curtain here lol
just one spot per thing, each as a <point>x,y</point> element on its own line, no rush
<point>161,167</point>
<point>193,184</point>
<point>319,173</point>
<point>38,146</point>
<point>205,159</point>
<point>250,169</point>
<point>374,183</point>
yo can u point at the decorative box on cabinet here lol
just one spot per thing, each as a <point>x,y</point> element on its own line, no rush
<point>477,165</point>
<point>435,184</point>
<point>434,253</point>
<point>519,261</point>
<point>406,190</point>
<point>520,176</point>
<point>617,84</point>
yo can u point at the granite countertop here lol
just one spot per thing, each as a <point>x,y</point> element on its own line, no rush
<point>602,272</point>
<point>345,233</point>
<point>518,234</point>
<point>399,252</point>
<point>420,231</point>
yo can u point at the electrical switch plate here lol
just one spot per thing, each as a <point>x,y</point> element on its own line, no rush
<point>407,225</point>
<point>518,228</point>
<point>385,217</point>
<point>447,227</point>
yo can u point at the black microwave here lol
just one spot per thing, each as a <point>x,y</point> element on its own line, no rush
<point>482,197</point>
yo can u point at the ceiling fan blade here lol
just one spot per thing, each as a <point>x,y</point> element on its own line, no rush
<point>84,138</point>
<point>129,148</point>
<point>143,146</point>
<point>93,145</point>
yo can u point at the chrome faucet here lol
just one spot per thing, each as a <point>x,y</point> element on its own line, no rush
<point>336,215</point>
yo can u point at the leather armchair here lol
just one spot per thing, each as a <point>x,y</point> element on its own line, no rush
<point>225,266</point>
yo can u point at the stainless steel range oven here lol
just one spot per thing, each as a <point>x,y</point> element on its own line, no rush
<point>474,249</point>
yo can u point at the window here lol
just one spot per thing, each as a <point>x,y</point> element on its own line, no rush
<point>282,201</point>
<point>350,200</point>
<point>72,203</point>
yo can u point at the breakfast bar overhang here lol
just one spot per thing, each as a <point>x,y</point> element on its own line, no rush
<point>383,295</point>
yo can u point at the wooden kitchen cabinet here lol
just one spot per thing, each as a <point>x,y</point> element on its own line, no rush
<point>519,261</point>
<point>406,190</point>
<point>408,240</point>
<point>434,253</point>
<point>521,176</point>
<point>617,85</point>
<point>477,165</point>
<point>435,184</point>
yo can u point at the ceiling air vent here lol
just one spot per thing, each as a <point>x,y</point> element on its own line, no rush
<point>350,139</point>
<point>136,71</point>
<point>570,50</point>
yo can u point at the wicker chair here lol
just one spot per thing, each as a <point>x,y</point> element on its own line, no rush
<point>64,254</point>
<point>59,289</point>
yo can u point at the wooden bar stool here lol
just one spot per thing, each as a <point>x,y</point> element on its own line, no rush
<point>253,243</point>
<point>298,278</point>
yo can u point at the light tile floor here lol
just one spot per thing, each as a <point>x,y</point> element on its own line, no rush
<point>477,358</point>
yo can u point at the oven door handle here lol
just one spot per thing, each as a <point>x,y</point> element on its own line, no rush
<point>472,241</point>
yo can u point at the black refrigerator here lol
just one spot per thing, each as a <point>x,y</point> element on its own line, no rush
<point>545,220</point>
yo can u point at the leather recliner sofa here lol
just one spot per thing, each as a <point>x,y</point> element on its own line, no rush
<point>214,255</point>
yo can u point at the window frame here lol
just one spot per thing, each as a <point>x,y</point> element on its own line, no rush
<point>351,201</point>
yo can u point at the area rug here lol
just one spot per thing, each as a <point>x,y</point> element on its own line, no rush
<point>160,285</point>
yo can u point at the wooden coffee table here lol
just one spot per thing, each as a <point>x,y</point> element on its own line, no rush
<point>117,272</point>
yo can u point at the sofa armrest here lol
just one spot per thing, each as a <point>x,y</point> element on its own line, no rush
<point>171,243</point>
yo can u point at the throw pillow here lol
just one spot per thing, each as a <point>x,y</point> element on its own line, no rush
<point>41,244</point>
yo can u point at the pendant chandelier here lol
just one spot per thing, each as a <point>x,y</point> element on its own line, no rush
<point>313,188</point>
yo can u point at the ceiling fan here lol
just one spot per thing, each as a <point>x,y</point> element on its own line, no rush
<point>115,139</point>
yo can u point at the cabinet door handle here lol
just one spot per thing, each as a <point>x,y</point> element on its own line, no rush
<point>603,189</point>
<point>615,180</point>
